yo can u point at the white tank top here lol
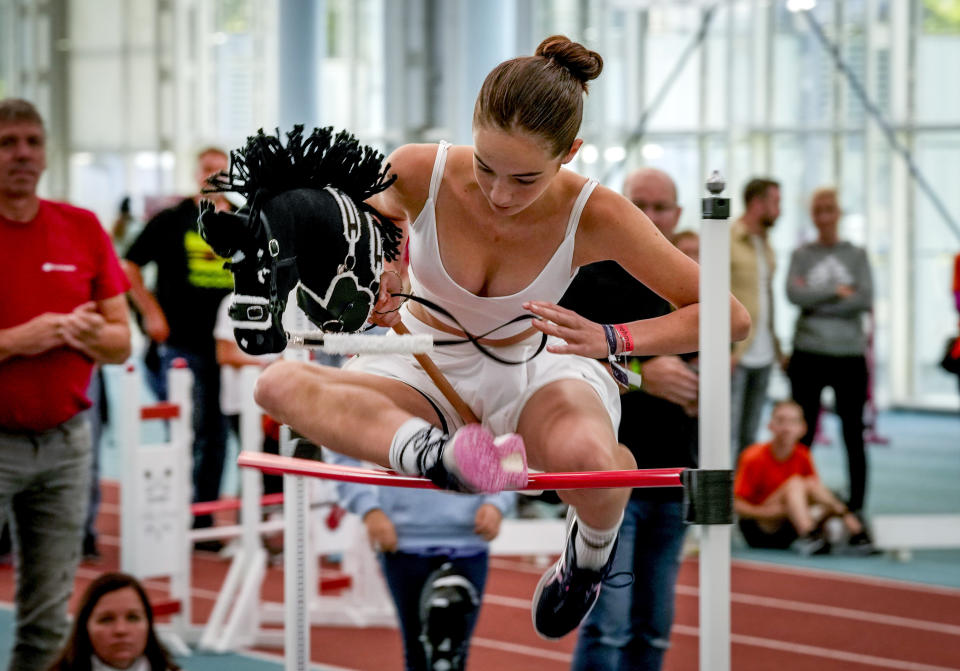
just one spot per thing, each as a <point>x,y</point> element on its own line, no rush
<point>478,314</point>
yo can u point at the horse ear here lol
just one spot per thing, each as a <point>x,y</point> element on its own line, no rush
<point>226,232</point>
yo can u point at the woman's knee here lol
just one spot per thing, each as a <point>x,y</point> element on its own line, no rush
<point>276,384</point>
<point>581,449</point>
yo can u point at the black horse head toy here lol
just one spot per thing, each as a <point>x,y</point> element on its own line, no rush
<point>305,226</point>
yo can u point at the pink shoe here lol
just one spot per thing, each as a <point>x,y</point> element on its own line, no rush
<point>474,461</point>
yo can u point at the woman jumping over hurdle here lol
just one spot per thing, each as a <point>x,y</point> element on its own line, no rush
<point>498,230</point>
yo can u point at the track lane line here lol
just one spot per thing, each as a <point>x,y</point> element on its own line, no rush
<point>529,650</point>
<point>817,651</point>
<point>831,611</point>
<point>781,604</point>
<point>750,564</point>
<point>892,583</point>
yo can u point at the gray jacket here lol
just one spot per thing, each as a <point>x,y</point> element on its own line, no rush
<point>827,323</point>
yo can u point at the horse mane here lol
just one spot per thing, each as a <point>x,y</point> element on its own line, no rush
<point>266,167</point>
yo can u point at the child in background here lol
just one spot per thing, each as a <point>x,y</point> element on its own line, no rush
<point>433,548</point>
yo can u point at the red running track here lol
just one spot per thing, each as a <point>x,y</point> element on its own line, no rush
<point>784,618</point>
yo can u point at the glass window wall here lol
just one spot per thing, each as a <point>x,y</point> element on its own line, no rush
<point>760,94</point>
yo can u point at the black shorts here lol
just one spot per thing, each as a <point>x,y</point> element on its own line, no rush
<point>757,537</point>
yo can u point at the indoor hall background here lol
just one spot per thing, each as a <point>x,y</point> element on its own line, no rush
<point>133,87</point>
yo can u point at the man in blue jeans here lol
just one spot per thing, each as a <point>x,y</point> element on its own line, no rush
<point>64,309</point>
<point>629,628</point>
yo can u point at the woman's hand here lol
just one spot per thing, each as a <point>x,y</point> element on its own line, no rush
<point>581,335</point>
<point>386,311</point>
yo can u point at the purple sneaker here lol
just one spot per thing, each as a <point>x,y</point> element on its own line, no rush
<point>474,461</point>
<point>566,593</point>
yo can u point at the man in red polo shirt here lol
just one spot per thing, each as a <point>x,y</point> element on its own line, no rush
<point>63,310</point>
<point>778,495</point>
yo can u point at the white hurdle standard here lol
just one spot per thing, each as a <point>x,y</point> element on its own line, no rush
<point>154,499</point>
<point>715,420</point>
<point>235,618</point>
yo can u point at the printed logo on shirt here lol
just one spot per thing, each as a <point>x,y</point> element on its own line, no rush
<point>49,267</point>
<point>204,268</point>
<point>829,273</point>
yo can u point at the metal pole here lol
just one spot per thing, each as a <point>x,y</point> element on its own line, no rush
<point>715,421</point>
<point>296,554</point>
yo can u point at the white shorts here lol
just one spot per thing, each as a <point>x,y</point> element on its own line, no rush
<point>496,392</point>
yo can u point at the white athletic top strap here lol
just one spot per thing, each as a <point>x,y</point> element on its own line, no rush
<point>438,165</point>
<point>578,206</point>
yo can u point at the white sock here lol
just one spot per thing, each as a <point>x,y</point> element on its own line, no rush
<point>413,448</point>
<point>594,546</point>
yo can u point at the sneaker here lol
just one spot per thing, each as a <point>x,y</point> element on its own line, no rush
<point>814,543</point>
<point>861,544</point>
<point>447,603</point>
<point>474,461</point>
<point>567,593</point>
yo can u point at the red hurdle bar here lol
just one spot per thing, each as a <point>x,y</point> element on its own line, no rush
<point>272,463</point>
<point>210,507</point>
<point>161,410</point>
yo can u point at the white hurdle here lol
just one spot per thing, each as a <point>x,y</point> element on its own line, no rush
<point>154,499</point>
<point>235,618</point>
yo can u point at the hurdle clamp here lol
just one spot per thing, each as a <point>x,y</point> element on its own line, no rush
<point>707,496</point>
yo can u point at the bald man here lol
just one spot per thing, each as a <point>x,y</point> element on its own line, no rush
<point>629,628</point>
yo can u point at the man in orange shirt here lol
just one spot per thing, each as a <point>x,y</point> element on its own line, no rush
<point>778,495</point>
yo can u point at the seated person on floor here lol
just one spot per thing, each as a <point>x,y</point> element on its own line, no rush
<point>778,495</point>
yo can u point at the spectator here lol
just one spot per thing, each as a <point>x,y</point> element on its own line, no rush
<point>778,496</point>
<point>64,310</point>
<point>752,265</point>
<point>180,315</point>
<point>417,534</point>
<point>829,280</point>
<point>629,628</point>
<point>113,630</point>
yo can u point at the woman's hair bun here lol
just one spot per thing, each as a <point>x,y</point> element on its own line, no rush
<point>582,63</point>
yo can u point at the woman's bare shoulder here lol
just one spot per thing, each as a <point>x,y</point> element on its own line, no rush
<point>609,224</point>
<point>413,158</point>
<point>412,164</point>
<point>605,207</point>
